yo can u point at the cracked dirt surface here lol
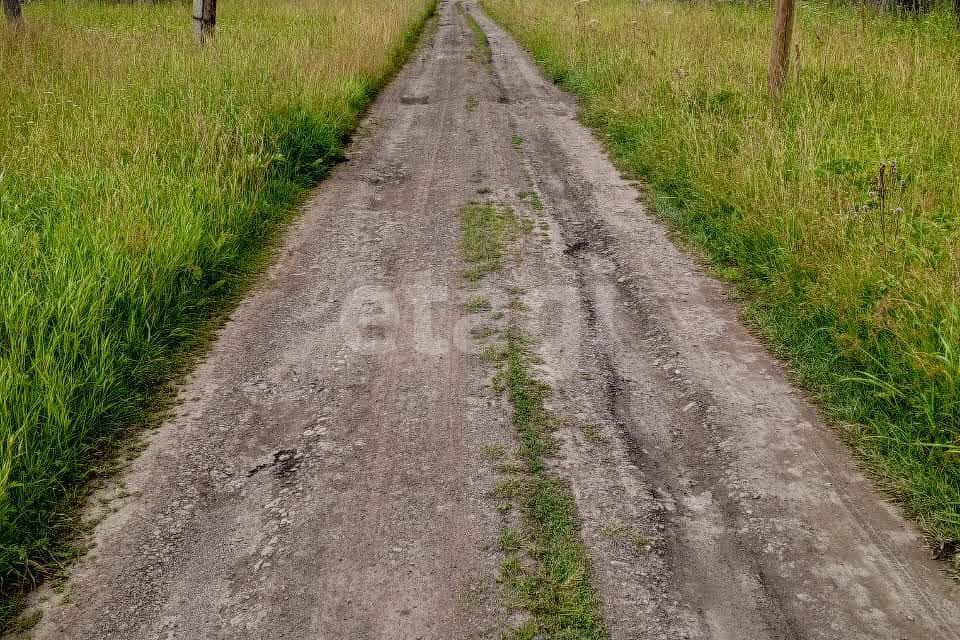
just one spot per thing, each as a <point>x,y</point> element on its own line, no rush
<point>323,476</point>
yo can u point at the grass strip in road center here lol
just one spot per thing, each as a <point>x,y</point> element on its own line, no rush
<point>546,567</point>
<point>480,40</point>
<point>558,592</point>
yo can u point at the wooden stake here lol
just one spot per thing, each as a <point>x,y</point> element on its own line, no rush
<point>780,50</point>
<point>204,19</point>
<point>11,9</point>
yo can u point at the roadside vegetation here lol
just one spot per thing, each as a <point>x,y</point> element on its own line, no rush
<point>835,210</point>
<point>141,177</point>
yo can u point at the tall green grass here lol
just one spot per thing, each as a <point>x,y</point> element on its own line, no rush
<point>853,275</point>
<point>139,175</point>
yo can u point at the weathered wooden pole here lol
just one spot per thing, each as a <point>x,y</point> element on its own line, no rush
<point>204,19</point>
<point>13,12</point>
<point>780,49</point>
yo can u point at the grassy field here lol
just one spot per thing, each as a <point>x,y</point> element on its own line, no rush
<point>835,210</point>
<point>140,178</point>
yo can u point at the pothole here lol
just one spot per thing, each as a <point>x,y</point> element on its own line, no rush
<point>284,462</point>
<point>414,99</point>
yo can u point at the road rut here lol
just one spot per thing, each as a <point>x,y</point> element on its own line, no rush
<point>323,475</point>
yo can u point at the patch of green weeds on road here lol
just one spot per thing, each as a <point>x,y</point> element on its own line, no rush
<point>624,534</point>
<point>556,591</point>
<point>477,303</point>
<point>493,353</point>
<point>480,40</point>
<point>531,197</point>
<point>493,452</point>
<point>594,434</point>
<point>486,230</point>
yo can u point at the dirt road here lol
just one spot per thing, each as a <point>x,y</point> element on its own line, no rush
<point>324,476</point>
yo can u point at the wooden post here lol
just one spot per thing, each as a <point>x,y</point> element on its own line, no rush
<point>204,19</point>
<point>13,12</point>
<point>780,50</point>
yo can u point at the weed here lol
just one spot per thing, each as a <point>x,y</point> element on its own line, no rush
<point>625,534</point>
<point>594,433</point>
<point>26,622</point>
<point>11,607</point>
<point>472,103</point>
<point>486,230</point>
<point>532,197</point>
<point>493,353</point>
<point>509,489</point>
<point>516,142</point>
<point>517,305</point>
<point>480,40</point>
<point>477,303</point>
<point>509,468</point>
<point>510,539</point>
<point>493,452</point>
